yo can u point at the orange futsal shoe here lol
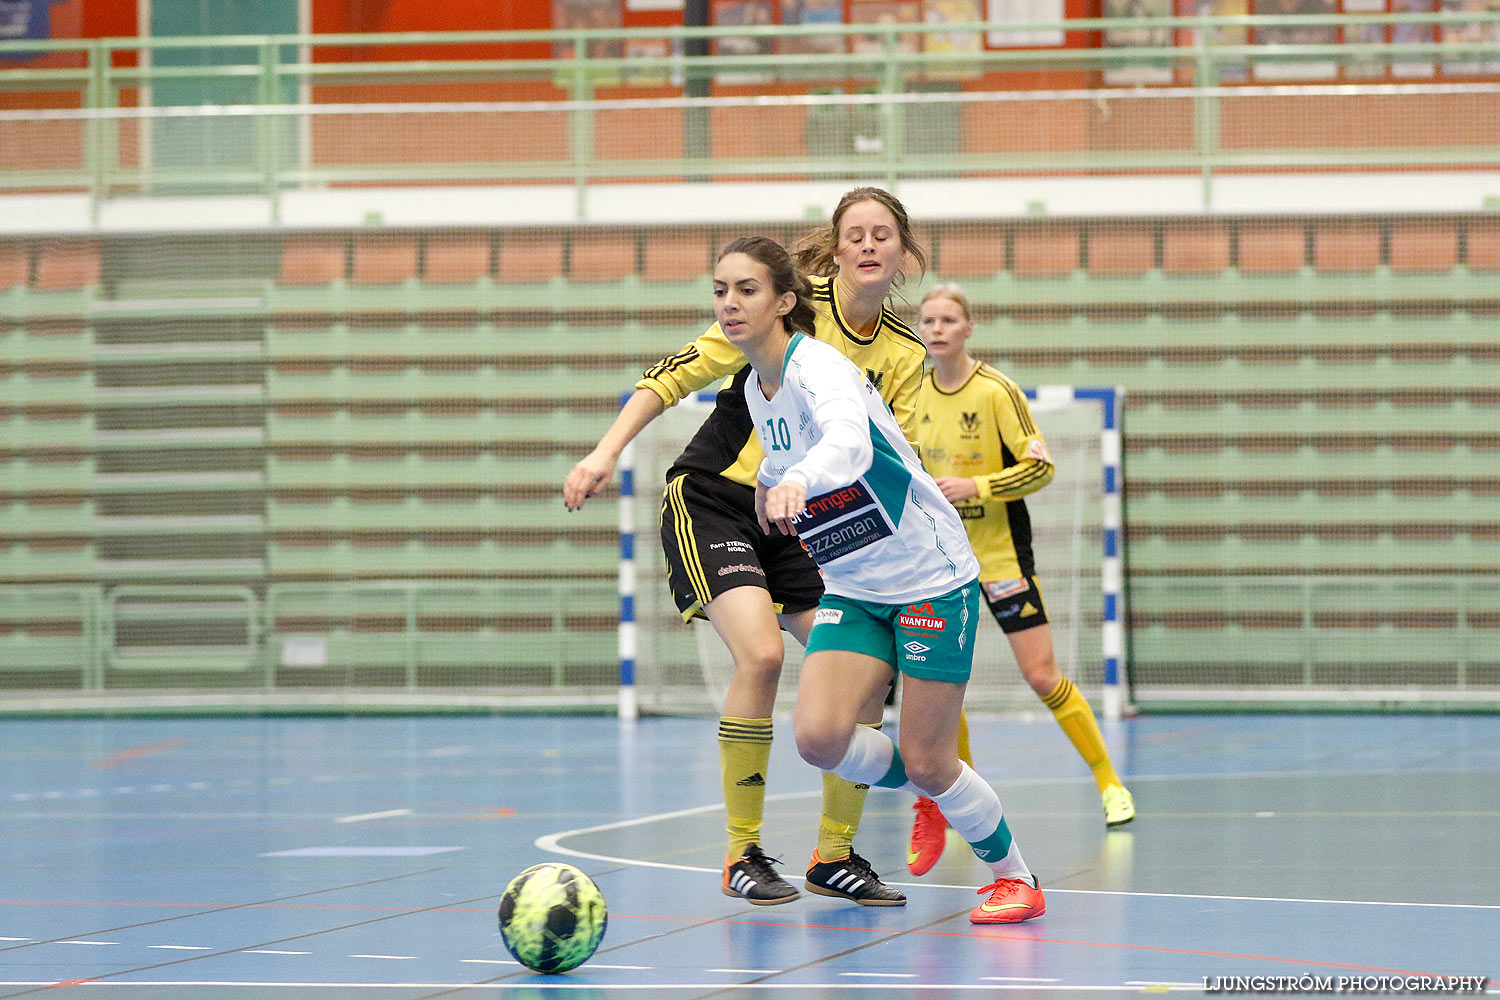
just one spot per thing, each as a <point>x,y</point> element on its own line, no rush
<point>929,835</point>
<point>1011,901</point>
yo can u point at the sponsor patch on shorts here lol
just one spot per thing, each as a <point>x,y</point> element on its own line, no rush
<point>998,589</point>
<point>921,617</point>
<point>828,616</point>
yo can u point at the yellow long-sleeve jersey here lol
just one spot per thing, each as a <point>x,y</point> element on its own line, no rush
<point>984,430</point>
<point>726,444</point>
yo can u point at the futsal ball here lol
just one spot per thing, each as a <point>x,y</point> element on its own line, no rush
<point>552,917</point>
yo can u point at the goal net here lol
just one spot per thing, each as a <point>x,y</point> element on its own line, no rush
<point>671,667</point>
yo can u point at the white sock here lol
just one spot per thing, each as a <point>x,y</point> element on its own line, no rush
<point>973,809</point>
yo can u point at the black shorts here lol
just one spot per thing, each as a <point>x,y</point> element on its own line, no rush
<point>712,544</point>
<point>1016,604</point>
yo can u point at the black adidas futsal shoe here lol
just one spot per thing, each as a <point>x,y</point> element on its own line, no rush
<point>851,878</point>
<point>751,877</point>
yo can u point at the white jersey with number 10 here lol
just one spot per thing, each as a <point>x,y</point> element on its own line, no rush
<point>878,526</point>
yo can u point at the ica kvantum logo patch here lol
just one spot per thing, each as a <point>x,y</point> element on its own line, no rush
<point>921,616</point>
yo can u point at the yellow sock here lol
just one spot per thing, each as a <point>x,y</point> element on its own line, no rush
<point>964,753</point>
<point>744,754</point>
<point>843,806</point>
<point>1077,720</point>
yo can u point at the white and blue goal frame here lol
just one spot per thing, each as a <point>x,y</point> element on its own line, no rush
<point>1111,400</point>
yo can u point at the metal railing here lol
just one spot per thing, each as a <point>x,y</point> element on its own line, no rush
<point>289,111</point>
<point>257,149</point>
<point>96,638</point>
<point>1439,649</point>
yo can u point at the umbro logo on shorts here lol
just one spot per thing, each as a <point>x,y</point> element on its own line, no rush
<point>915,647</point>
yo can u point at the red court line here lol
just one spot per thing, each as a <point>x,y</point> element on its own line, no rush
<point>104,763</point>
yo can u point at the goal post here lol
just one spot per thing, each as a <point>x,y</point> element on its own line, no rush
<point>669,667</point>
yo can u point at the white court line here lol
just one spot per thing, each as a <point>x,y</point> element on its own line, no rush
<point>834,988</point>
<point>552,842</point>
<point>94,943</point>
<point>882,975</point>
<point>180,947</point>
<point>365,817</point>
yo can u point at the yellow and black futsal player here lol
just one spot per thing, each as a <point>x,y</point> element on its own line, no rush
<point>979,442</point>
<point>750,585</point>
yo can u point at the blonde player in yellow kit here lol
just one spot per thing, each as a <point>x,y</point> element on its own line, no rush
<point>751,585</point>
<point>979,442</point>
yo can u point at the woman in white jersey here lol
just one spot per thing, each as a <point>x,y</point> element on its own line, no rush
<point>901,589</point>
<point>749,585</point>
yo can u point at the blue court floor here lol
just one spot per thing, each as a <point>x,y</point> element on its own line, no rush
<point>364,857</point>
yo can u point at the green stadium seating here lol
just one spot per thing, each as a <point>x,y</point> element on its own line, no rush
<point>34,516</point>
<point>1303,397</point>
<point>50,628</point>
<point>511,555</point>
<point>1316,630</point>
<point>43,560</point>
<point>413,632</point>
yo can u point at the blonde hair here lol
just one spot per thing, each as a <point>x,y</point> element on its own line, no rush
<point>816,252</point>
<point>949,290</point>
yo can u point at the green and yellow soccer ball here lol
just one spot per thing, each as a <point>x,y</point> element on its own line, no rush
<point>552,917</point>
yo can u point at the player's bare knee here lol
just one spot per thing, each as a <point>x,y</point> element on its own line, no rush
<point>819,743</point>
<point>1042,676</point>
<point>928,768</point>
<point>760,663</point>
<point>821,751</point>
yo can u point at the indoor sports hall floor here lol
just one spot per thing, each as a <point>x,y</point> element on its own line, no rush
<point>364,857</point>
